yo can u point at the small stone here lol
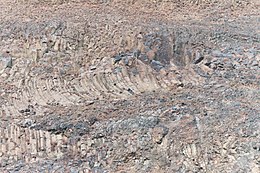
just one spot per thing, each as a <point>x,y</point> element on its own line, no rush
<point>137,53</point>
<point>118,58</point>
<point>254,63</point>
<point>117,70</point>
<point>159,133</point>
<point>27,123</point>
<point>156,65</point>
<point>130,91</point>
<point>143,57</point>
<point>198,58</point>
<point>89,103</point>
<point>92,120</point>
<point>5,62</point>
<point>93,68</point>
<point>126,61</point>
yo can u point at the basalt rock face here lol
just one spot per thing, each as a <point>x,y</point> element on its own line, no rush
<point>129,86</point>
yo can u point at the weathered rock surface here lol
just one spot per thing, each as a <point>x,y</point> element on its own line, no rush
<point>129,86</point>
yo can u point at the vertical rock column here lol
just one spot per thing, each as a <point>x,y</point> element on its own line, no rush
<point>2,143</point>
<point>26,144</point>
<point>42,143</point>
<point>33,144</point>
<point>59,142</point>
<point>48,144</point>
<point>18,142</point>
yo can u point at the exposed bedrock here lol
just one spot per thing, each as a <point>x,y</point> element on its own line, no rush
<point>101,86</point>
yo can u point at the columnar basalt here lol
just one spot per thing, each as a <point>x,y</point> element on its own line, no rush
<point>129,86</point>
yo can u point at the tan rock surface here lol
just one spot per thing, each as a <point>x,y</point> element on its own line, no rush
<point>129,86</point>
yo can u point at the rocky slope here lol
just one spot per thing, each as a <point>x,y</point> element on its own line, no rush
<point>129,86</point>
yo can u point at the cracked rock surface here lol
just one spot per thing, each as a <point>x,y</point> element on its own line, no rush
<point>130,86</point>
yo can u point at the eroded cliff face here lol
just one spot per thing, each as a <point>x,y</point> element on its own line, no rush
<point>129,86</point>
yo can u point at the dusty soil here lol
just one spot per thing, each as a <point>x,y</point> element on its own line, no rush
<point>129,86</point>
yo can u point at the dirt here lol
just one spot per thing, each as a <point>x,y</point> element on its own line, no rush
<point>129,86</point>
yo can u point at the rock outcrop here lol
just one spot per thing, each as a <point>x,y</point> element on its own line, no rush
<point>129,86</point>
